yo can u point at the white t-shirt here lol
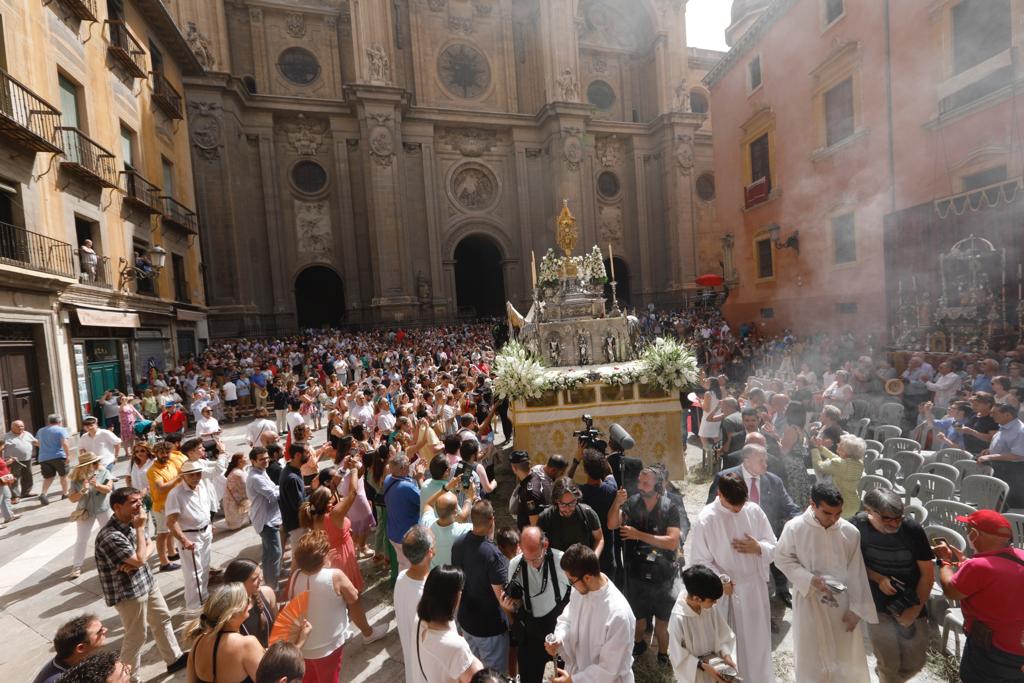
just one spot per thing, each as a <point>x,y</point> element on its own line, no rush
<point>407,596</point>
<point>293,420</point>
<point>191,505</point>
<point>443,656</point>
<point>207,425</point>
<point>138,475</point>
<point>102,444</point>
<point>230,392</point>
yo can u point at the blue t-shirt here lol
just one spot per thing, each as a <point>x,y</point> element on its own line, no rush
<point>51,443</point>
<point>402,500</point>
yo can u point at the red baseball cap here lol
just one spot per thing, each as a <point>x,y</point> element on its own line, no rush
<point>988,521</point>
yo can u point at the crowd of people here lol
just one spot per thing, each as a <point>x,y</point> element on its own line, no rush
<point>583,578</point>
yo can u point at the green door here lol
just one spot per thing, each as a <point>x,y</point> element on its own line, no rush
<point>103,376</point>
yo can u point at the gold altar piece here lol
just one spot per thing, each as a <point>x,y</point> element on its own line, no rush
<point>567,233</point>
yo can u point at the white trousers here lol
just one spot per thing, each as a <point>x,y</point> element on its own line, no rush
<point>196,563</point>
<point>84,532</point>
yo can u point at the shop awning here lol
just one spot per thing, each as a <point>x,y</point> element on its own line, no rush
<point>190,316</point>
<point>96,318</point>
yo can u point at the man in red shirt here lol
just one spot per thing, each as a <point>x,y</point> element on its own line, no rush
<point>173,419</point>
<point>995,625</point>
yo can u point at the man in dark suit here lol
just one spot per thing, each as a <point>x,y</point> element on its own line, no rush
<point>768,491</point>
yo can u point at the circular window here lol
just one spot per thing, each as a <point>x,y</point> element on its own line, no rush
<point>608,185</point>
<point>464,70</point>
<point>309,177</point>
<point>299,65</point>
<point>601,95</point>
<point>706,187</point>
<point>698,103</point>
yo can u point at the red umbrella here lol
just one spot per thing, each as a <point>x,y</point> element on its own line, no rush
<point>710,280</point>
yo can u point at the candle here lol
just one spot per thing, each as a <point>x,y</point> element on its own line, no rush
<point>533,268</point>
<point>611,260</point>
<point>1020,282</point>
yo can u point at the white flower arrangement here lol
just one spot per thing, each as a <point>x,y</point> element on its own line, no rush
<point>672,366</point>
<point>547,274</point>
<point>516,374</point>
<point>593,267</point>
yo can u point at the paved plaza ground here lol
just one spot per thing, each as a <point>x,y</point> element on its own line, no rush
<point>36,598</point>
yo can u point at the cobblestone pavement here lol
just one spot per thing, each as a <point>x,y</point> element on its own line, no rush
<point>35,596</point>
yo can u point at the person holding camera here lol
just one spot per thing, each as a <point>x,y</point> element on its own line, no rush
<point>899,563</point>
<point>528,499</point>
<point>649,525</point>
<point>539,590</point>
<point>569,520</point>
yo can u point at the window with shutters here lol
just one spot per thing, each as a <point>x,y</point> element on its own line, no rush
<point>760,161</point>
<point>764,254</point>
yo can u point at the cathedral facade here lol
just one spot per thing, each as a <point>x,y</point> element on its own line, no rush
<point>384,160</point>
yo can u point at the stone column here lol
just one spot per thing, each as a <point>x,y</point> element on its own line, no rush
<point>347,230</point>
<point>677,173</point>
<point>451,299</point>
<point>275,222</point>
<point>559,42</point>
<point>373,41</point>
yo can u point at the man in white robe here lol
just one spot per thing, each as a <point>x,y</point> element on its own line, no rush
<point>732,536</point>
<point>816,549</point>
<point>696,630</point>
<point>594,634</point>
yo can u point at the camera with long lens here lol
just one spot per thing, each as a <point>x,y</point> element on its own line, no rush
<point>588,436</point>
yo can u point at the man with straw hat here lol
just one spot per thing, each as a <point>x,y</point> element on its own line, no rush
<point>188,520</point>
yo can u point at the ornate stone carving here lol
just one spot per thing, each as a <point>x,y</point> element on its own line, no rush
<point>200,46</point>
<point>474,187</point>
<point>331,23</point>
<point>483,8</point>
<point>379,65</point>
<point>437,5</point>
<point>313,229</point>
<point>534,152</point>
<point>602,24</point>
<point>423,290</point>
<point>295,24</point>
<point>382,140</point>
<point>470,142</point>
<point>305,137</point>
<point>567,87</point>
<point>256,15</point>
<point>610,151</point>
<point>460,24</point>
<point>684,154</point>
<point>609,223</point>
<point>207,132</point>
<point>599,63</point>
<point>682,99</point>
<point>572,150</point>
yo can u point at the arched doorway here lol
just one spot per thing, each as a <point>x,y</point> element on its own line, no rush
<point>319,297</point>
<point>622,278</point>
<point>479,279</point>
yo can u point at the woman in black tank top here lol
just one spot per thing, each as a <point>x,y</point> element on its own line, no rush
<point>220,654</point>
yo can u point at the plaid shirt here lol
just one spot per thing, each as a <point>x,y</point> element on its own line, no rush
<point>115,543</point>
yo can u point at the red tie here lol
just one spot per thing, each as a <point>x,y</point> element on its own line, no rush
<point>755,493</point>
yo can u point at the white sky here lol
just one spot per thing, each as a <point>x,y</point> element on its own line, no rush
<point>705,23</point>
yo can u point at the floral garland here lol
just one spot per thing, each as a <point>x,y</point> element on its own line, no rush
<point>590,268</point>
<point>666,363</point>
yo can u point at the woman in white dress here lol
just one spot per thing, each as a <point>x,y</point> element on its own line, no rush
<point>711,426</point>
<point>442,655</point>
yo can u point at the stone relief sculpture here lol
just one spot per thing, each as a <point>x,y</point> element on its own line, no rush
<point>682,101</point>
<point>583,347</point>
<point>200,46</point>
<point>379,64</point>
<point>470,142</point>
<point>609,151</point>
<point>572,149</point>
<point>382,141</point>
<point>684,154</point>
<point>313,229</point>
<point>554,350</point>
<point>567,87</point>
<point>610,348</point>
<point>423,287</point>
<point>295,24</point>
<point>205,122</point>
<point>304,137</point>
<point>473,188</point>
<point>609,222</point>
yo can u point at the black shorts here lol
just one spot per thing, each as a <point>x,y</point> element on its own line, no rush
<point>52,468</point>
<point>650,599</point>
<point>231,404</point>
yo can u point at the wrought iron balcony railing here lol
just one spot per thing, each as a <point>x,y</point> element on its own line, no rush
<point>180,215</point>
<point>85,10</point>
<point>166,97</point>
<point>31,250</point>
<point>86,159</point>
<point>94,270</point>
<point>26,118</point>
<point>126,49</point>
<point>141,193</point>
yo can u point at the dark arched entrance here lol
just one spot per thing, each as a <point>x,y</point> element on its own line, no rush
<point>319,297</point>
<point>479,279</point>
<point>622,278</point>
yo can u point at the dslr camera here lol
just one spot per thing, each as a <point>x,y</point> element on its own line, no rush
<point>588,435</point>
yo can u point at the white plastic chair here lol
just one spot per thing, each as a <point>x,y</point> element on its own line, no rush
<point>925,487</point>
<point>941,469</point>
<point>1017,522</point>
<point>945,512</point>
<point>984,492</point>
<point>883,432</point>
<point>910,462</point>
<point>951,455</point>
<point>896,444</point>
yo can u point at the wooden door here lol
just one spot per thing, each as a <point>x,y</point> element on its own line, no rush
<point>19,387</point>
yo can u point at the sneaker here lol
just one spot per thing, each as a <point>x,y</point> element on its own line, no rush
<point>170,566</point>
<point>178,664</point>
<point>377,633</point>
<point>43,500</point>
<point>75,573</point>
<point>639,648</point>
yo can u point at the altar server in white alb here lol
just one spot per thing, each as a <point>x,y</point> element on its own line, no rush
<point>595,632</point>
<point>188,520</point>
<point>820,554</point>
<point>697,631</point>
<point>732,536</point>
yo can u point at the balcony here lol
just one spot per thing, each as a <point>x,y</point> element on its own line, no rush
<point>27,119</point>
<point>140,193</point>
<point>85,10</point>
<point>757,192</point>
<point>126,50</point>
<point>94,270</point>
<point>26,249</point>
<point>86,160</point>
<point>179,215</point>
<point>166,97</point>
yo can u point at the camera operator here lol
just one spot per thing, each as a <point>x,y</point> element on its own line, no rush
<point>599,492</point>
<point>649,524</point>
<point>570,521</point>
<point>528,499</point>
<point>539,590</point>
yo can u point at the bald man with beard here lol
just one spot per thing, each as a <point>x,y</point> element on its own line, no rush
<point>446,521</point>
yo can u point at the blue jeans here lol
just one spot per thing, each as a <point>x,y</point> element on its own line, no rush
<point>492,651</point>
<point>5,503</point>
<point>271,541</point>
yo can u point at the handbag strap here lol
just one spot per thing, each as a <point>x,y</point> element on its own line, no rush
<point>419,660</point>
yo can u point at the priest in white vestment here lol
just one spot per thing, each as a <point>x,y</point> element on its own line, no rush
<point>732,536</point>
<point>696,630</point>
<point>820,553</point>
<point>594,634</point>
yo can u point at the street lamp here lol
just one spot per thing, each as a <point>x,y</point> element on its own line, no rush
<point>157,259</point>
<point>792,242</point>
